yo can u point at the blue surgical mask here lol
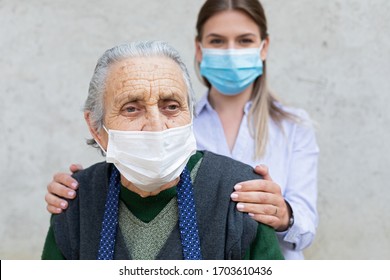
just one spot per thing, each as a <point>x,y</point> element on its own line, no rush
<point>231,71</point>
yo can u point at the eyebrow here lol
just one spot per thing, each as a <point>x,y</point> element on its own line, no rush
<point>218,35</point>
<point>248,34</point>
<point>130,96</point>
<point>172,95</point>
<point>214,35</point>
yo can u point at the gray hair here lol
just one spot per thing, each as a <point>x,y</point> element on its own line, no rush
<point>97,87</point>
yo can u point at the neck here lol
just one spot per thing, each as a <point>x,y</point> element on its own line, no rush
<point>232,104</point>
<point>131,187</point>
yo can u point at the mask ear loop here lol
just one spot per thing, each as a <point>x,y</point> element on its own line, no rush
<point>262,45</point>
<point>100,146</point>
<point>261,49</point>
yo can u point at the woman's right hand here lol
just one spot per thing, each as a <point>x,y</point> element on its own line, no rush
<point>62,186</point>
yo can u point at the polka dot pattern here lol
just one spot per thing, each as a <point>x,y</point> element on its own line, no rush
<point>187,218</point>
<point>110,218</point>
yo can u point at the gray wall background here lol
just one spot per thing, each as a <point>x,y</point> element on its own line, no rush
<point>331,58</point>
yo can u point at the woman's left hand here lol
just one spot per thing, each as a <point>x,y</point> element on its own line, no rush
<point>262,199</point>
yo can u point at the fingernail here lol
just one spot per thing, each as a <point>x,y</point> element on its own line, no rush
<point>237,187</point>
<point>58,210</point>
<point>240,206</point>
<point>63,205</point>
<point>71,193</point>
<point>251,214</point>
<point>74,185</point>
<point>234,195</point>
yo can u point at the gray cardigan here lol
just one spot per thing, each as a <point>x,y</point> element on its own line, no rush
<point>224,232</point>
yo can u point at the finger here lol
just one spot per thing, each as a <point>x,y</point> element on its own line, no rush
<point>55,201</point>
<point>263,170</point>
<point>257,209</point>
<point>53,210</point>
<point>255,197</point>
<point>272,215</point>
<point>65,179</point>
<point>60,190</point>
<point>257,185</point>
<point>75,167</point>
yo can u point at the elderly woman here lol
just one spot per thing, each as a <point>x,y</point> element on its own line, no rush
<point>155,197</point>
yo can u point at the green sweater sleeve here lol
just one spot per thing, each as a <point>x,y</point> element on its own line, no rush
<point>265,246</point>
<point>50,249</point>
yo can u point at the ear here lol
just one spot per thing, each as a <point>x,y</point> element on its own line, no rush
<point>264,50</point>
<point>198,51</point>
<point>99,136</point>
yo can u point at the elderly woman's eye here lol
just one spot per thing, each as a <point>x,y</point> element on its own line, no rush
<point>130,109</point>
<point>172,107</point>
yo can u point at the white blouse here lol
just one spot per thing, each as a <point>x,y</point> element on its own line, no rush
<point>291,156</point>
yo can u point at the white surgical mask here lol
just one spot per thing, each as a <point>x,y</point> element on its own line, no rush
<point>150,159</point>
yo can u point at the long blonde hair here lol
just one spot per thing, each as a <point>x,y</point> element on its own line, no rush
<point>263,100</point>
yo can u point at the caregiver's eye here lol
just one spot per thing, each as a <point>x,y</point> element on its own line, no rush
<point>216,42</point>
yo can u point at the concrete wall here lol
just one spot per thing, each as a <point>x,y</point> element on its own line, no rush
<point>331,58</point>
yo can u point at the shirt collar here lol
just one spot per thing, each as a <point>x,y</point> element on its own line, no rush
<point>247,107</point>
<point>204,104</point>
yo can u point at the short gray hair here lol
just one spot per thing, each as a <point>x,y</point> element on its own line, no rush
<point>97,86</point>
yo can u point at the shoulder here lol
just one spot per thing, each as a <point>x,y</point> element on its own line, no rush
<point>300,122</point>
<point>230,169</point>
<point>93,184</point>
<point>96,172</point>
<point>299,132</point>
<point>201,104</point>
<point>301,115</point>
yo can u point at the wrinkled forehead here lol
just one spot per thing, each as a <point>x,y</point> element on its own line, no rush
<point>147,73</point>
